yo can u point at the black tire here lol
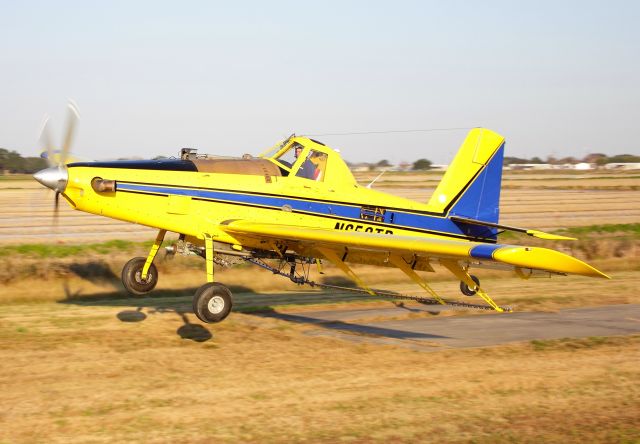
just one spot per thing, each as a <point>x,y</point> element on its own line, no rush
<point>212,302</point>
<point>464,288</point>
<point>131,276</point>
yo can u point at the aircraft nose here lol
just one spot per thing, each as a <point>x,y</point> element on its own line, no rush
<point>54,178</point>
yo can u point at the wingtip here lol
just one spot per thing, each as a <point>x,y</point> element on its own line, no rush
<point>545,259</point>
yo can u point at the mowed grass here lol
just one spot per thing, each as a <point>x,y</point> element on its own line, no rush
<point>79,374</point>
<point>37,273</point>
<point>66,250</point>
<point>82,362</point>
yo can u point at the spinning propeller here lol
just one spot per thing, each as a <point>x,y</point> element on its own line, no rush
<point>56,176</point>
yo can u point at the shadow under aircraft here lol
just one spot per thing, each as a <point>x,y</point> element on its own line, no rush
<point>178,302</point>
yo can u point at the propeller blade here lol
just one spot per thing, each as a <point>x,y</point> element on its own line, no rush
<point>72,120</point>
<point>55,208</point>
<point>47,140</point>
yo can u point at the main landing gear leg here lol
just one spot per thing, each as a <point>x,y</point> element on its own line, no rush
<point>212,302</point>
<point>139,275</point>
<point>333,257</point>
<point>464,276</point>
<point>152,254</point>
<point>402,265</point>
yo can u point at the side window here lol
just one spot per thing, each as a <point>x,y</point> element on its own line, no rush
<point>314,166</point>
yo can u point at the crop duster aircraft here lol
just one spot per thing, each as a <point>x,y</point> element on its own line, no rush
<point>298,203</point>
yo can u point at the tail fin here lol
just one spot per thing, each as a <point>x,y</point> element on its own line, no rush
<point>471,186</point>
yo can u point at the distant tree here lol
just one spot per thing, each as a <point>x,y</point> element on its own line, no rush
<point>568,159</point>
<point>34,164</point>
<point>595,158</point>
<point>384,163</point>
<point>421,164</point>
<point>623,158</point>
<point>10,160</point>
<point>535,160</point>
<point>509,160</point>
<point>13,162</point>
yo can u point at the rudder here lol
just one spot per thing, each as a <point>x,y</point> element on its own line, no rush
<point>470,187</point>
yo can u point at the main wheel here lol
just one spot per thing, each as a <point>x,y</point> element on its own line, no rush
<point>212,302</point>
<point>132,276</point>
<point>464,288</point>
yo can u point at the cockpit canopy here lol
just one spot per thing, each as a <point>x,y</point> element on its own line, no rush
<point>308,159</point>
<point>297,158</point>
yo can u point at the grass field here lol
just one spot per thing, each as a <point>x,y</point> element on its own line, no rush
<point>83,362</point>
<point>74,373</point>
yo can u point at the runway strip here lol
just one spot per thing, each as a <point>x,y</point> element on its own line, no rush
<point>430,334</point>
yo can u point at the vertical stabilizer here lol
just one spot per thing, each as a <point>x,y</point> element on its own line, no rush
<point>471,185</point>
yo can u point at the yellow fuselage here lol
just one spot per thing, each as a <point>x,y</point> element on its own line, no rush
<point>194,203</point>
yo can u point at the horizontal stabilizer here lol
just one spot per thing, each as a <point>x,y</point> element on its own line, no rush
<point>534,233</point>
<point>549,236</point>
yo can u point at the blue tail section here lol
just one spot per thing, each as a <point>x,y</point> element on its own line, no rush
<point>480,199</point>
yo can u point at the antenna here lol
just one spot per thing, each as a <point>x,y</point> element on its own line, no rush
<point>378,177</point>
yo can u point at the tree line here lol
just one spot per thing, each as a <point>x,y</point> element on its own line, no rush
<point>420,164</point>
<point>597,158</point>
<point>13,162</point>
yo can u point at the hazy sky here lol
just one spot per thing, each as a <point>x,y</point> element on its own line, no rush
<point>149,77</point>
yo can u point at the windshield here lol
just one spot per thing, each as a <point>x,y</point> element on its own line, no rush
<point>290,156</point>
<point>270,152</point>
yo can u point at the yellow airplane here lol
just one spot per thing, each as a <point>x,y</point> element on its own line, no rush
<point>298,203</point>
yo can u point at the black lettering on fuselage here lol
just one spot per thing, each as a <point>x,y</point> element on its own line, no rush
<point>352,227</point>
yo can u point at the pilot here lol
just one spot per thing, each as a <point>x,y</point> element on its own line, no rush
<point>307,169</point>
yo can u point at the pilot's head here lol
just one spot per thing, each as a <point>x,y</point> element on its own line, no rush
<point>298,149</point>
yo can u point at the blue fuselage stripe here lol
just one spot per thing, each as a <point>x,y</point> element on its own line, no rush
<point>392,218</point>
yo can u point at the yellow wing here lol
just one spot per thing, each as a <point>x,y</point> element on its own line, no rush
<point>346,244</point>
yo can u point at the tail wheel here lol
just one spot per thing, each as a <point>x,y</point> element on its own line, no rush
<point>212,302</point>
<point>132,277</point>
<point>464,288</point>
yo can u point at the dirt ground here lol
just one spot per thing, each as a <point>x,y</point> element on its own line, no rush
<point>90,373</point>
<point>88,364</point>
<point>82,362</point>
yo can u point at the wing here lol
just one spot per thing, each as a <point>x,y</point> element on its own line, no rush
<point>317,242</point>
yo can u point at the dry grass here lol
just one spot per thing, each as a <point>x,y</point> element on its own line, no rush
<point>78,374</point>
<point>41,273</point>
<point>83,363</point>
